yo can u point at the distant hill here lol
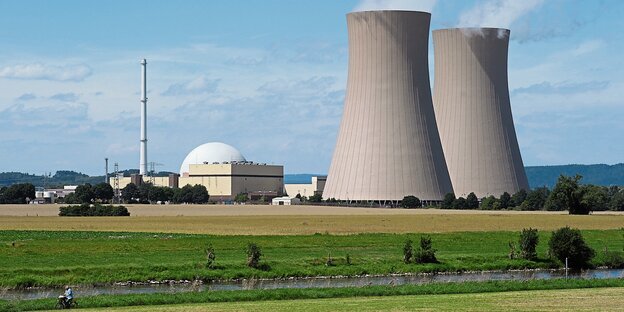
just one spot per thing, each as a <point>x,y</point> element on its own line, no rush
<point>59,179</point>
<point>538,176</point>
<point>601,174</point>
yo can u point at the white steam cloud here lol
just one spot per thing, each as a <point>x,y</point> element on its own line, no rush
<point>497,13</point>
<point>408,5</point>
<point>38,71</point>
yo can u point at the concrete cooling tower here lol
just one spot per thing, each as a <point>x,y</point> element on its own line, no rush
<point>388,144</point>
<point>473,112</point>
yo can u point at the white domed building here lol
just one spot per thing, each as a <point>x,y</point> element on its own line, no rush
<point>225,172</point>
<point>211,153</point>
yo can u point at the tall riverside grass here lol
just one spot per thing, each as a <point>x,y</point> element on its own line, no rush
<point>289,294</point>
<point>32,258</point>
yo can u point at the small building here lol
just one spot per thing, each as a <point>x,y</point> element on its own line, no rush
<point>307,189</point>
<point>285,201</point>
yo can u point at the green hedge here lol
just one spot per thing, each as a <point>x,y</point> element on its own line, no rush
<point>93,210</point>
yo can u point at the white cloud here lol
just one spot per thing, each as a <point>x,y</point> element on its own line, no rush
<point>38,71</point>
<point>410,5</point>
<point>497,13</point>
<point>198,85</point>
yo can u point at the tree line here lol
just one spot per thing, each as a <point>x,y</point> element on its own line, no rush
<point>146,193</point>
<point>20,193</point>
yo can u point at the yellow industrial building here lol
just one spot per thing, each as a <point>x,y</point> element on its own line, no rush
<point>223,171</point>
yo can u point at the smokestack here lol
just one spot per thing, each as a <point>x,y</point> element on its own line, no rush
<point>143,161</point>
<point>388,145</point>
<point>106,172</point>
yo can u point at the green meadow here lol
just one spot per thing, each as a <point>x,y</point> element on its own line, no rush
<point>47,258</point>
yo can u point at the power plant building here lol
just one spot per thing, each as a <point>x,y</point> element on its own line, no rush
<point>388,145</point>
<point>473,111</point>
<point>224,172</point>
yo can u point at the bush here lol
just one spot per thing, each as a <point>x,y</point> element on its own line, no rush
<point>460,203</point>
<point>253,255</point>
<point>210,257</point>
<point>568,243</point>
<point>614,260</point>
<point>504,201</point>
<point>411,202</point>
<point>241,198</point>
<point>487,203</point>
<point>408,251</point>
<point>96,210</point>
<point>316,198</point>
<point>528,243</point>
<point>426,253</point>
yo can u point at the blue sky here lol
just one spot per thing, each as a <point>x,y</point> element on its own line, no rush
<point>268,77</point>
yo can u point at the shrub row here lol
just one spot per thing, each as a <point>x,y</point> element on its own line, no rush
<point>93,210</point>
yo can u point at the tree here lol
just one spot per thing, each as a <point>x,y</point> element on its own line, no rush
<point>487,203</point>
<point>472,202</point>
<point>161,194</point>
<point>596,198</point>
<point>316,198</point>
<point>84,194</point>
<point>103,192</point>
<point>130,192</point>
<point>253,255</point>
<point>19,193</point>
<point>505,200</point>
<point>411,201</point>
<point>448,200</point>
<point>426,253</point>
<point>200,194</point>
<point>528,243</point>
<point>518,198</point>
<point>242,197</point>
<point>617,201</point>
<point>568,243</point>
<point>459,203</point>
<point>535,199</point>
<point>184,195</point>
<point>567,194</point>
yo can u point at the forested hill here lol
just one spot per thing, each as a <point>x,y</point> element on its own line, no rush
<point>59,179</point>
<point>538,176</point>
<point>601,174</point>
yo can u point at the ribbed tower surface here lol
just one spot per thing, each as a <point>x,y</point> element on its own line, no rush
<point>473,111</point>
<point>388,144</point>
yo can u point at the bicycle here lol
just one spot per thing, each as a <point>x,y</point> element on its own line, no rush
<point>62,303</point>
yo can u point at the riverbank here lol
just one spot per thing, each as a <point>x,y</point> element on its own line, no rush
<point>291,294</point>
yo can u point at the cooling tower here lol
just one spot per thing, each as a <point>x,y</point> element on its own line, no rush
<point>388,144</point>
<point>471,100</point>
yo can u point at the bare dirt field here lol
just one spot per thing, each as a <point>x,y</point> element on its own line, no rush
<point>283,220</point>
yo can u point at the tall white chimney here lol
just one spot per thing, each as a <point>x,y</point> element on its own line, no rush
<point>143,162</point>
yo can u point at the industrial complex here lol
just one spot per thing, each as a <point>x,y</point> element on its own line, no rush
<point>395,138</point>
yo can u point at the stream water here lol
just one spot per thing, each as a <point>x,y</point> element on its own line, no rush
<point>314,282</point>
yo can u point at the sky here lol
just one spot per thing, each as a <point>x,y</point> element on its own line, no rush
<point>269,76</point>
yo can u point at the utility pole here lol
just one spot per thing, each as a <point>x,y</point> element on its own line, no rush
<point>116,184</point>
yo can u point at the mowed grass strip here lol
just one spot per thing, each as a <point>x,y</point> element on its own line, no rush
<point>333,224</point>
<point>599,299</point>
<point>45,258</point>
<point>297,299</point>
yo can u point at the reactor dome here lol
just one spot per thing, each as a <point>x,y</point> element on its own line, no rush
<point>210,153</point>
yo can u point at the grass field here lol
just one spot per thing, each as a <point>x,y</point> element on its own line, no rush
<point>597,299</point>
<point>55,258</point>
<point>292,297</point>
<point>292,220</point>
